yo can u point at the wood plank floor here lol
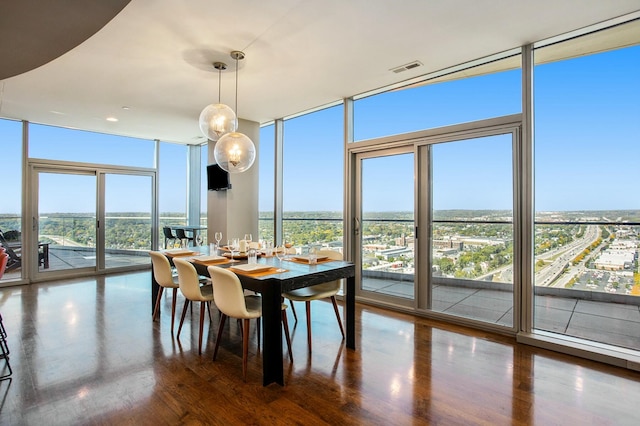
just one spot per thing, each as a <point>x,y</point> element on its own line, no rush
<point>87,352</point>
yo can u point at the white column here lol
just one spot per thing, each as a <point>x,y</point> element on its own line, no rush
<point>235,211</point>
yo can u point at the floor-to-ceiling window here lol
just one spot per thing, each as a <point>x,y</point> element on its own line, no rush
<point>266,184</point>
<point>472,228</point>
<point>385,228</point>
<point>86,195</point>
<point>313,179</point>
<point>128,218</point>
<point>78,146</point>
<point>172,184</point>
<point>457,96</point>
<point>124,186</point>
<point>11,200</point>
<point>587,217</point>
<point>466,192</point>
<point>204,161</point>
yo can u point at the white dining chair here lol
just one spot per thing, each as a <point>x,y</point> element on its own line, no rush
<point>190,287</point>
<point>164,277</point>
<point>232,302</point>
<point>317,292</point>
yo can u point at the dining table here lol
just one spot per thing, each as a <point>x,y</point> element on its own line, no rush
<point>274,278</point>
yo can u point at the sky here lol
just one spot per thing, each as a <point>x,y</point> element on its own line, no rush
<point>586,147</point>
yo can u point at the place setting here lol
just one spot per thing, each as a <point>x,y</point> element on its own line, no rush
<point>256,270</point>
<point>210,259</point>
<point>179,252</point>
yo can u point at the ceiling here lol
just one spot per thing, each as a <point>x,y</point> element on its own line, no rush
<point>148,63</point>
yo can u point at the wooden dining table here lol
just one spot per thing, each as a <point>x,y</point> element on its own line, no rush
<point>271,284</point>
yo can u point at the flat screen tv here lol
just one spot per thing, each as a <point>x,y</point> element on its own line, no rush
<point>217,178</point>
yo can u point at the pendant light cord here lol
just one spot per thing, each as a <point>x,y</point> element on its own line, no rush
<point>219,86</point>
<point>237,116</point>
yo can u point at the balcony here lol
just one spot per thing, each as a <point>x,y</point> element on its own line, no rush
<point>599,316</point>
<point>612,319</point>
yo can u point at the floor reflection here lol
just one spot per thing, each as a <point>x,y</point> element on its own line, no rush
<point>87,352</point>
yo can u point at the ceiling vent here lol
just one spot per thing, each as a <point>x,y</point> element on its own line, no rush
<point>405,67</point>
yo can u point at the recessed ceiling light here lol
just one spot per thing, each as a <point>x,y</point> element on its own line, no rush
<point>112,119</point>
<point>126,108</point>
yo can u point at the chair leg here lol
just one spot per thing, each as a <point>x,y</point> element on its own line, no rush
<point>293,309</point>
<point>258,330</point>
<point>202,305</point>
<point>245,348</point>
<point>209,310</point>
<point>308,308</point>
<point>223,318</point>
<point>285,325</point>
<point>335,308</point>
<point>156,309</point>
<point>184,313</point>
<point>173,308</point>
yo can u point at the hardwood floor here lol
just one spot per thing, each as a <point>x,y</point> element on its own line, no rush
<point>87,352</point>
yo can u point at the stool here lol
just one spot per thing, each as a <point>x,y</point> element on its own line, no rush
<point>6,371</point>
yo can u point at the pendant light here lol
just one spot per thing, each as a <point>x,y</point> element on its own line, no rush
<point>234,151</point>
<point>217,119</point>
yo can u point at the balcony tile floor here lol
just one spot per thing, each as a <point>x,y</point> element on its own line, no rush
<point>610,323</point>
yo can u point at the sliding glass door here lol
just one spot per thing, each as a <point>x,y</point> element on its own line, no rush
<point>128,219</point>
<point>88,219</point>
<point>435,225</point>
<point>472,228</point>
<point>66,218</point>
<point>386,225</point>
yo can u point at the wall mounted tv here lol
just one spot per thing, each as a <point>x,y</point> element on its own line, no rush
<point>217,178</point>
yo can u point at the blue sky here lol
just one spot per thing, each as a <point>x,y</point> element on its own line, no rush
<point>587,143</point>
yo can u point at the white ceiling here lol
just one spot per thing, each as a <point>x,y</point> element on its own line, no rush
<point>155,56</point>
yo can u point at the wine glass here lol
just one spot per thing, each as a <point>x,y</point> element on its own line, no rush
<point>281,253</point>
<point>233,246</point>
<point>218,237</point>
<point>248,238</point>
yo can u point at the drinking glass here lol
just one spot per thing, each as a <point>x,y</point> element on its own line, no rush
<point>252,256</point>
<point>268,248</point>
<point>233,246</point>
<point>281,253</point>
<point>313,255</point>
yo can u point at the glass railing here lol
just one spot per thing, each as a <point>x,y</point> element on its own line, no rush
<point>126,232</point>
<point>588,256</point>
<point>10,222</point>
<point>305,231</point>
<point>582,256</point>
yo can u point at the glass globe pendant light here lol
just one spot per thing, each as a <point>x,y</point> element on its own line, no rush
<point>217,119</point>
<point>234,151</point>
